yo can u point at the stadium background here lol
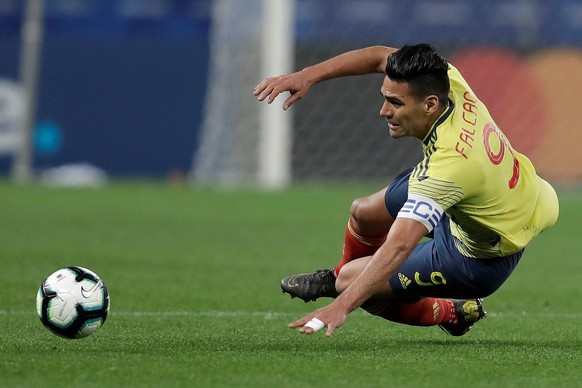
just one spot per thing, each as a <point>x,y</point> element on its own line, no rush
<point>123,83</point>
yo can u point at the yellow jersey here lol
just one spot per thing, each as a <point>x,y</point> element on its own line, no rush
<point>495,201</point>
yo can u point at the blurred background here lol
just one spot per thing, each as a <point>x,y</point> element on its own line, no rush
<point>163,88</point>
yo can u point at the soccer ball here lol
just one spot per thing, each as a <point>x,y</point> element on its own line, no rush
<point>72,302</point>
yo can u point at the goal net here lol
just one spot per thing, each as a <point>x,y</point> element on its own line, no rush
<point>229,135</point>
<point>336,133</point>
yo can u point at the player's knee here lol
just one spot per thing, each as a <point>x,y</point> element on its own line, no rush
<point>343,280</point>
<point>360,211</point>
<point>370,216</point>
<point>348,273</point>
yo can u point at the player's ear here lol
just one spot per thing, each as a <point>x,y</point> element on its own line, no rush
<point>431,104</point>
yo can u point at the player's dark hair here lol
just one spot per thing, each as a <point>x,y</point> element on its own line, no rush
<point>422,68</point>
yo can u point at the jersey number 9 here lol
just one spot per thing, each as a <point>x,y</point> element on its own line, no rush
<point>497,158</point>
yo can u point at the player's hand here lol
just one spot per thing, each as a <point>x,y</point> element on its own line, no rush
<point>296,83</point>
<point>331,316</point>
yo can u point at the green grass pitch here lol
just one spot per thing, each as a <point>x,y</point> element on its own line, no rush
<point>193,277</point>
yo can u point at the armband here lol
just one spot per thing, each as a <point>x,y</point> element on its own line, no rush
<point>422,209</point>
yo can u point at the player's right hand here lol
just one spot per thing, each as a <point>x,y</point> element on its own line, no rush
<point>294,83</point>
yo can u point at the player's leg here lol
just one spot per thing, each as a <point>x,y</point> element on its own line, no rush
<point>366,232</point>
<point>370,220</point>
<point>367,228</point>
<point>434,272</point>
<point>386,304</point>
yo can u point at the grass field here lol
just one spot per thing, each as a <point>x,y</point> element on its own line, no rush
<point>193,277</point>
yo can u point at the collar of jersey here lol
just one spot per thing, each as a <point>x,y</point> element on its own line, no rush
<point>431,135</point>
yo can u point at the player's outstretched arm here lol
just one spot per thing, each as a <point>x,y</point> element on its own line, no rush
<point>363,61</point>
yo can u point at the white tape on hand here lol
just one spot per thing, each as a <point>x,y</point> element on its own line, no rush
<point>315,324</point>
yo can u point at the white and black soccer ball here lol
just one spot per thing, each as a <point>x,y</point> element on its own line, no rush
<point>72,302</point>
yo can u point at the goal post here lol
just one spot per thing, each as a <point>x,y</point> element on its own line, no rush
<point>242,141</point>
<point>275,126</point>
<point>32,35</point>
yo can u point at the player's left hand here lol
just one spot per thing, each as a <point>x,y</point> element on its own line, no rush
<point>332,316</point>
<point>297,84</point>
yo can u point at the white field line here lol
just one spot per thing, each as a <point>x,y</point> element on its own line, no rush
<point>210,313</point>
<point>274,315</point>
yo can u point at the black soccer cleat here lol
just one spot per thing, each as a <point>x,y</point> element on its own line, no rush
<point>468,312</point>
<point>310,286</point>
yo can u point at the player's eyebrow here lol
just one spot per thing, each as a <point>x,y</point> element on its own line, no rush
<point>392,99</point>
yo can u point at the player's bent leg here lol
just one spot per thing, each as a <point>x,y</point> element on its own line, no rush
<point>366,231</point>
<point>456,317</point>
<point>370,220</point>
<point>350,272</point>
<point>367,228</point>
<point>370,216</point>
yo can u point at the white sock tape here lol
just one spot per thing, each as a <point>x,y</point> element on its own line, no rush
<point>315,324</point>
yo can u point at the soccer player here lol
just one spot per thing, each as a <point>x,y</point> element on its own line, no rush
<point>477,200</point>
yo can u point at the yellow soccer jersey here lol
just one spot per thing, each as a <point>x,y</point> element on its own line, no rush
<point>491,193</point>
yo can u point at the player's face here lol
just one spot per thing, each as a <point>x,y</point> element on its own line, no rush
<point>406,116</point>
